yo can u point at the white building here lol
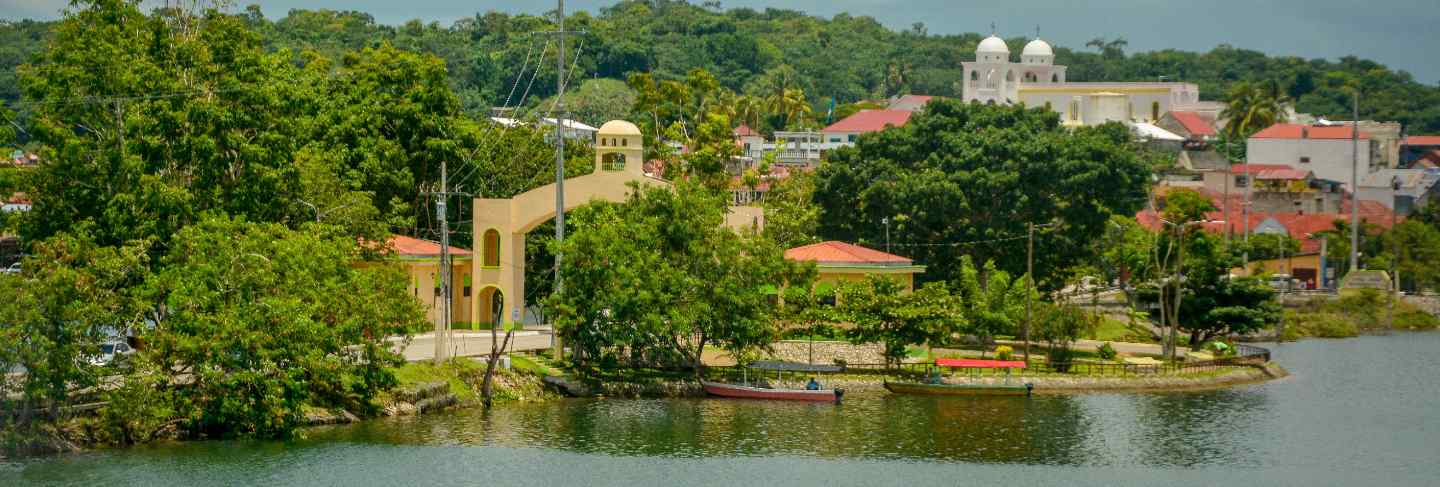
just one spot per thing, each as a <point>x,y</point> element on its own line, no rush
<point>1326,150</point>
<point>1037,81</point>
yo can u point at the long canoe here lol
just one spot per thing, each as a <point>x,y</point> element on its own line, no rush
<point>960,389</point>
<point>746,392</point>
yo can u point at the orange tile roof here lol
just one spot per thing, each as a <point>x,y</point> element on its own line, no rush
<point>1296,131</point>
<point>414,247</point>
<point>1193,123</point>
<point>834,252</point>
<point>871,121</point>
<point>745,131</point>
<point>1422,140</point>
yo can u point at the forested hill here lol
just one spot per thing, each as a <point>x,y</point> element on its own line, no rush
<point>846,57</point>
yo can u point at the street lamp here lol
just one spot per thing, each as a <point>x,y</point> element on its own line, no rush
<point>1394,259</point>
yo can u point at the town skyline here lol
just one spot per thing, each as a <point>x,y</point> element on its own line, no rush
<point>1308,29</point>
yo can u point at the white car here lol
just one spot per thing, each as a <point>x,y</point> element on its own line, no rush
<point>112,352</point>
<point>13,269</point>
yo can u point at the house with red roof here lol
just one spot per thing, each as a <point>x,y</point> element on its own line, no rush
<point>1194,126</point>
<point>845,131</point>
<point>838,262</point>
<point>1416,147</point>
<point>1278,188</point>
<point>421,260</point>
<point>1326,150</point>
<point>909,103</point>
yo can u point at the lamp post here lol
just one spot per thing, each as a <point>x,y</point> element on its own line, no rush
<point>1394,259</point>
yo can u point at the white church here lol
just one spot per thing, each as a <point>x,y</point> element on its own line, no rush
<point>1037,81</point>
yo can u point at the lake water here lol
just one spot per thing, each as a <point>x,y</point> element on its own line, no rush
<point>1362,411</point>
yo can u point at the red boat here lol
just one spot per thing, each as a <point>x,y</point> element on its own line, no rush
<point>746,392</point>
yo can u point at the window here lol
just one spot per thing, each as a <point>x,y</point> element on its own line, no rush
<point>1054,78</point>
<point>974,76</point>
<point>1304,160</point>
<point>613,161</point>
<point>1049,107</point>
<point>1074,110</point>
<point>491,248</point>
<point>834,139</point>
<point>467,285</point>
<point>1154,110</point>
<point>624,142</point>
<point>851,137</point>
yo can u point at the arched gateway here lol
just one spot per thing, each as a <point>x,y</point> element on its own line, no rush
<point>504,222</point>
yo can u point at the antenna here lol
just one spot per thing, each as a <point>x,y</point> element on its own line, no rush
<point>992,28</point>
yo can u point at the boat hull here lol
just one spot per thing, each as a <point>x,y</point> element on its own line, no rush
<point>959,389</point>
<point>744,392</point>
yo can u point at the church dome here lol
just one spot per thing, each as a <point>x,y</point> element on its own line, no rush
<point>993,45</point>
<point>619,127</point>
<point>1038,47</point>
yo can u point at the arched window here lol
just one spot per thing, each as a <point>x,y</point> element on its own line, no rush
<point>1009,76</point>
<point>624,142</point>
<point>1154,110</point>
<point>613,161</point>
<point>1030,77</point>
<point>1054,78</point>
<point>974,76</point>
<point>491,247</point>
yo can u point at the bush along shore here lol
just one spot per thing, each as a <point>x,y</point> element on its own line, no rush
<point>1353,314</point>
<point>117,420</point>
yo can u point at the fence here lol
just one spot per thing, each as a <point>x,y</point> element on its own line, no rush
<point>1245,355</point>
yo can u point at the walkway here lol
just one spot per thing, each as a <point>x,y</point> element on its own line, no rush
<point>1093,345</point>
<point>464,343</point>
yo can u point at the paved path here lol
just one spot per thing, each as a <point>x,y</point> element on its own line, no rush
<point>474,344</point>
<point>1093,345</point>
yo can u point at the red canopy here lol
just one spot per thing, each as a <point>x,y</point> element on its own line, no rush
<point>980,364</point>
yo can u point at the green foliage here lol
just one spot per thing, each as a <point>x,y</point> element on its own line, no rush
<point>1266,246</point>
<point>1419,257</point>
<point>1059,325</point>
<point>961,173</point>
<point>597,101</point>
<point>991,302</point>
<point>1253,106</point>
<point>1106,352</point>
<point>882,311</point>
<point>263,320</point>
<point>660,278</point>
<point>70,299</point>
<point>1004,352</point>
<point>791,217</point>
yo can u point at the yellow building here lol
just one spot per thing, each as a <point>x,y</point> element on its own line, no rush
<point>839,262</point>
<point>421,260</point>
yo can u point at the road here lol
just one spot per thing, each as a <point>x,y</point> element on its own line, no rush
<point>474,344</point>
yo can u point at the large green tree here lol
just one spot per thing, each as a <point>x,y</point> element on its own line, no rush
<point>967,179</point>
<point>658,278</point>
<point>881,310</point>
<point>261,321</point>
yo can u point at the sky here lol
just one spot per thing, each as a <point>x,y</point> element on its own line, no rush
<point>1398,33</point>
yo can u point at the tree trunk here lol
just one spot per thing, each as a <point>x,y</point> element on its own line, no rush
<point>486,388</point>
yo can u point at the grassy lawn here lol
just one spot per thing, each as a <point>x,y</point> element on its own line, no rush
<point>412,374</point>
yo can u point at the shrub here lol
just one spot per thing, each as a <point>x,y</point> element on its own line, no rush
<point>1004,352</point>
<point>1106,351</point>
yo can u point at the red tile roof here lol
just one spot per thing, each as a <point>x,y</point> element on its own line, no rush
<point>1300,225</point>
<point>745,131</point>
<point>1422,140</point>
<point>834,252</point>
<point>1193,123</point>
<point>871,121</point>
<point>414,247</point>
<point>1296,131</point>
<point>1256,168</point>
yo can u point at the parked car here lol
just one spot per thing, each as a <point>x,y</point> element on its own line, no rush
<point>113,352</point>
<point>13,269</point>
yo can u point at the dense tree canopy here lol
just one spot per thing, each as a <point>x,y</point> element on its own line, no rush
<point>966,179</point>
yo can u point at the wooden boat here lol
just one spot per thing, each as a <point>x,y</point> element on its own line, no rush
<point>747,392</point>
<point>935,387</point>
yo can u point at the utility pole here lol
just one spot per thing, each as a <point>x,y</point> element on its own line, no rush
<point>1029,287</point>
<point>1245,213</point>
<point>560,121</point>
<point>444,274</point>
<point>886,221</point>
<point>442,327</point>
<point>1395,259</point>
<point>1355,185</point>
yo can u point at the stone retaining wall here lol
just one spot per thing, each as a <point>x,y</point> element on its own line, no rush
<point>827,352</point>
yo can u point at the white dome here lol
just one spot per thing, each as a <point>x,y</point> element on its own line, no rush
<point>992,45</point>
<point>1038,47</point>
<point>619,127</point>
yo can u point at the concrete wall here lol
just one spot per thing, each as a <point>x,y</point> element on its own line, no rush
<point>1329,158</point>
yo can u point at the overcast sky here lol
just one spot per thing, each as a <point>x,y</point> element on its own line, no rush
<point>1398,33</point>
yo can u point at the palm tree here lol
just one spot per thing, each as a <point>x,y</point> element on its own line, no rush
<point>1252,107</point>
<point>790,103</point>
<point>749,110</point>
